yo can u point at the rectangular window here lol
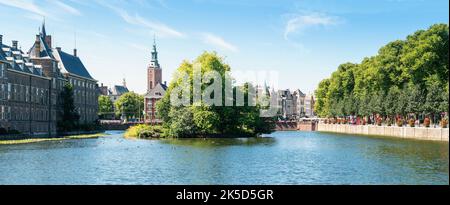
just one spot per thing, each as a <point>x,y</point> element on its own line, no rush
<point>2,67</point>
<point>9,91</point>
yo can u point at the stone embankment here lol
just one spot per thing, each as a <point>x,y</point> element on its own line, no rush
<point>421,133</point>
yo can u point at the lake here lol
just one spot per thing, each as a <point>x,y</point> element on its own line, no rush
<point>290,157</point>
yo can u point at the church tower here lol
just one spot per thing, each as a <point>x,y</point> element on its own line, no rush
<point>154,72</point>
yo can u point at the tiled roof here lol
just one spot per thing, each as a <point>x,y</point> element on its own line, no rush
<point>71,64</point>
<point>119,90</point>
<point>18,61</point>
<point>164,86</point>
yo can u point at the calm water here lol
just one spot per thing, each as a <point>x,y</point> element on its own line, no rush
<point>279,158</point>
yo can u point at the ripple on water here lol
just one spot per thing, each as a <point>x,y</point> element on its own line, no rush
<point>279,158</point>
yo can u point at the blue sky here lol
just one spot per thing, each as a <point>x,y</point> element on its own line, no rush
<point>303,40</point>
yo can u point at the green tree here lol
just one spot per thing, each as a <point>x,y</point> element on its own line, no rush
<point>70,116</point>
<point>197,119</point>
<point>130,105</point>
<point>406,76</point>
<point>105,106</point>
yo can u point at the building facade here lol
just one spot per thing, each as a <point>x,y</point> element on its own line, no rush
<point>295,105</point>
<point>31,83</point>
<point>155,88</point>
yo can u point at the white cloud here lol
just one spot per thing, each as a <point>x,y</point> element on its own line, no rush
<point>218,42</point>
<point>299,23</point>
<point>67,8</point>
<point>27,5</point>
<point>158,28</point>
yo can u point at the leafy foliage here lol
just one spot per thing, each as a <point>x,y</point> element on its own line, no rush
<point>199,119</point>
<point>130,104</point>
<point>105,105</point>
<point>406,77</point>
<point>70,116</point>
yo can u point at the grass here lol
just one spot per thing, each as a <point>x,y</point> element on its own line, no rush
<point>33,140</point>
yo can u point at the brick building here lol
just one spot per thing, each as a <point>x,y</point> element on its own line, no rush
<point>155,88</point>
<point>31,83</point>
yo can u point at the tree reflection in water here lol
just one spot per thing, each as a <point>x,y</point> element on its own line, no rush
<point>221,142</point>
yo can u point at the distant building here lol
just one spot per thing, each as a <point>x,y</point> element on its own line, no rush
<point>295,105</point>
<point>155,88</point>
<point>309,106</point>
<point>286,104</point>
<point>31,84</point>
<point>118,90</point>
<point>115,92</point>
<point>103,90</point>
<point>299,104</point>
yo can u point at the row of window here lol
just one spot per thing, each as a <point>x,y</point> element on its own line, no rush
<point>19,113</point>
<point>81,83</point>
<point>80,96</point>
<point>21,93</point>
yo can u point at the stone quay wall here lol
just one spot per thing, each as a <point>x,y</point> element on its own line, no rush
<point>420,133</point>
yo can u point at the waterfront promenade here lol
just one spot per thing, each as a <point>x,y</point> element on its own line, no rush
<point>420,133</point>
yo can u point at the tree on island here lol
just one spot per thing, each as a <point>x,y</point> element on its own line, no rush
<point>70,116</point>
<point>129,105</point>
<point>199,119</point>
<point>407,78</point>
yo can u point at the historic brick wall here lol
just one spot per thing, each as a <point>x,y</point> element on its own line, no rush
<point>28,103</point>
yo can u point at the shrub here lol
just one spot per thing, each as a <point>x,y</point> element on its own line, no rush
<point>427,122</point>
<point>144,131</point>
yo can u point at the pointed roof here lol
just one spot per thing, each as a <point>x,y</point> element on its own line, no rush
<point>43,32</point>
<point>157,92</point>
<point>119,90</point>
<point>154,60</point>
<point>71,64</point>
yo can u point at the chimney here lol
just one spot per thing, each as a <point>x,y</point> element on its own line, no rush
<point>58,49</point>
<point>165,83</point>
<point>1,40</point>
<point>75,52</point>
<point>38,45</point>
<point>48,40</point>
<point>14,44</point>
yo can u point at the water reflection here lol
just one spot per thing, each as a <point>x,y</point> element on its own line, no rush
<point>221,142</point>
<point>280,158</point>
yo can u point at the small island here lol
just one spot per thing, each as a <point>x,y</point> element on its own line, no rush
<point>197,119</point>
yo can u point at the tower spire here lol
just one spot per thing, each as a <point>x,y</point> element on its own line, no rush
<point>43,32</point>
<point>154,60</point>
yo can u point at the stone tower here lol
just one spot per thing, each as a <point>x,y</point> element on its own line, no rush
<point>154,72</point>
